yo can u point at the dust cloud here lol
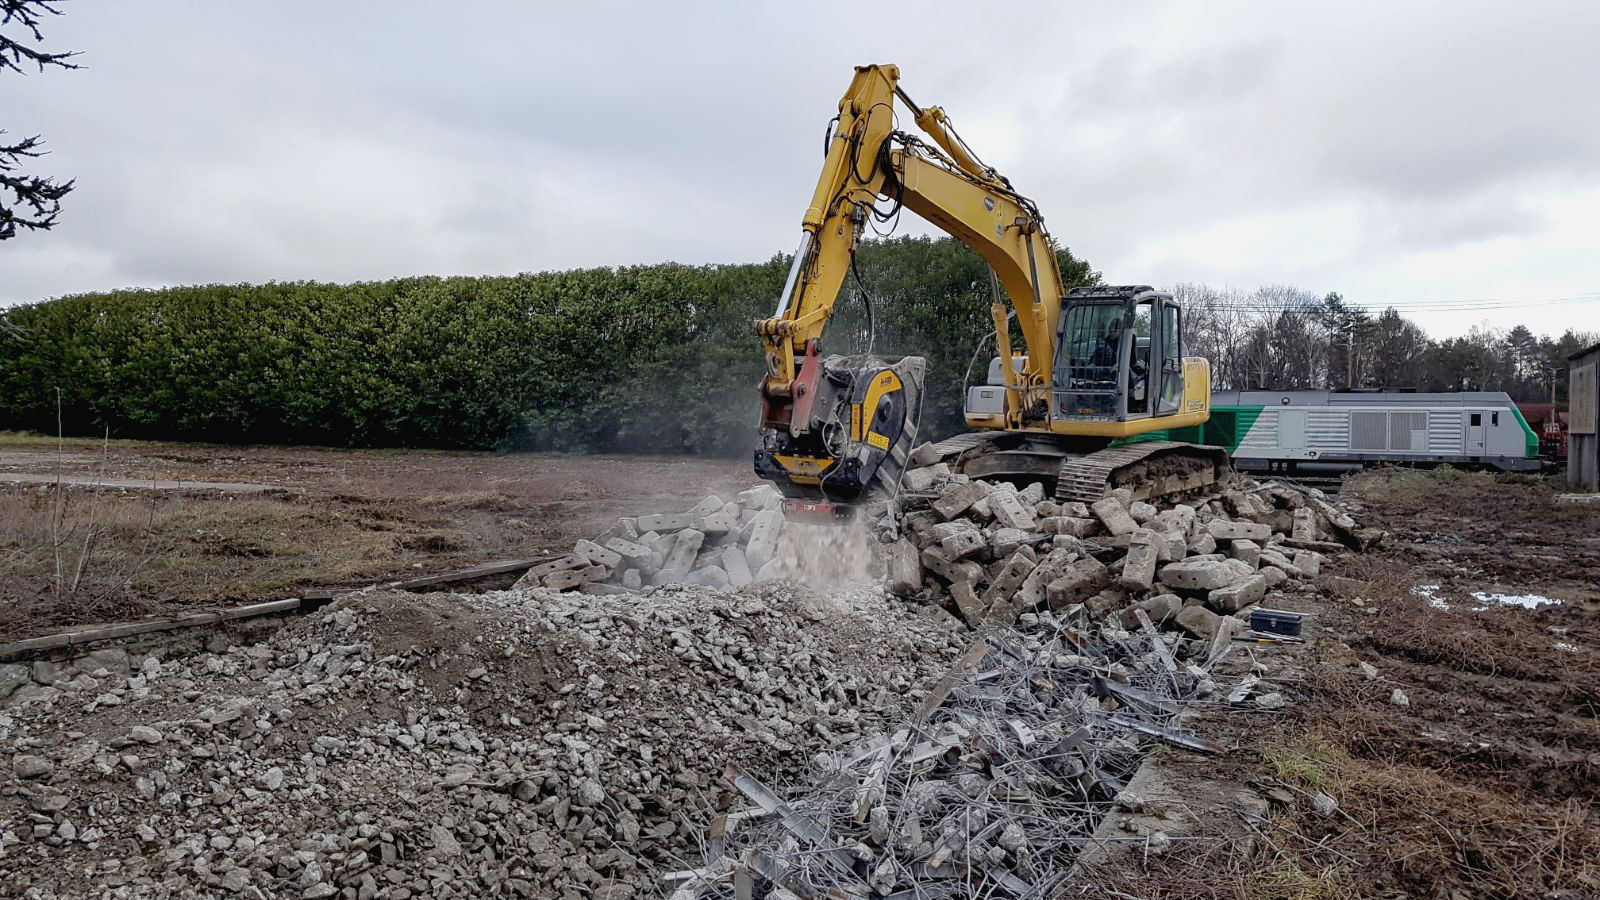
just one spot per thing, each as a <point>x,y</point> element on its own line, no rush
<point>828,556</point>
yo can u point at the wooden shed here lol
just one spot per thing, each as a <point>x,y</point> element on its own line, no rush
<point>1583,454</point>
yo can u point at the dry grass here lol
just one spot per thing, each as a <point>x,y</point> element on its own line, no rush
<point>1400,830</point>
<point>148,553</point>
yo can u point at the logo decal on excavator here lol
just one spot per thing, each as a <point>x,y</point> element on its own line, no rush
<point>804,469</point>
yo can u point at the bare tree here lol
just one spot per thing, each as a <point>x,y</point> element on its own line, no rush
<point>28,202</point>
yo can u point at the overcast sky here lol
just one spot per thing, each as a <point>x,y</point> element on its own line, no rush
<point>1427,152</point>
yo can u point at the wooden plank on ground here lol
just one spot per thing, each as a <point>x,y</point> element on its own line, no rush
<point>498,567</point>
<point>126,629</point>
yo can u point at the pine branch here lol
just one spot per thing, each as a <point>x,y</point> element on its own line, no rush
<point>14,55</point>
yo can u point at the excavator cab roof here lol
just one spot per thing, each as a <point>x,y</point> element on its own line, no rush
<point>1109,292</point>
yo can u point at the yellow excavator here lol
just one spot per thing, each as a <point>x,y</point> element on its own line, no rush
<point>1102,365</point>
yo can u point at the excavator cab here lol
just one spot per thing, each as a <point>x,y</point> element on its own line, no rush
<point>1119,355</point>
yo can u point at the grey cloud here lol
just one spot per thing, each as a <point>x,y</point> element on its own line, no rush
<point>226,142</point>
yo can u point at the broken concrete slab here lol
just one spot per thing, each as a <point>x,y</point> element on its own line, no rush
<point>1159,609</point>
<point>923,454</point>
<point>1224,530</point>
<point>1010,512</point>
<point>904,564</point>
<point>1138,573</point>
<point>1246,551</point>
<point>1078,581</point>
<point>1200,575</point>
<point>1113,514</point>
<point>685,548</point>
<point>737,567</point>
<point>1239,595</point>
<point>764,531</point>
<point>956,499</point>
<point>596,554</point>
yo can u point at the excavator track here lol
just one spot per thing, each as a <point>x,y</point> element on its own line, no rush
<point>1150,469</point>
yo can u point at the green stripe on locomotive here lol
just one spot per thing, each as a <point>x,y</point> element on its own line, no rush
<point>1226,428</point>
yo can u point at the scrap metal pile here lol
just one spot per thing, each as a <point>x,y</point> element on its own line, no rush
<point>991,788</point>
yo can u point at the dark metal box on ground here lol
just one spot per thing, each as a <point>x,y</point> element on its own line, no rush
<point>1275,621</point>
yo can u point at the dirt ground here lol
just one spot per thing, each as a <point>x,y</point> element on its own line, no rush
<point>340,517</point>
<point>1442,739</point>
<point>1482,777</point>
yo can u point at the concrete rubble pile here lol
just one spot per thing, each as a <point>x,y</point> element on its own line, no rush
<point>991,553</point>
<point>992,787</point>
<point>532,744</point>
<point>717,544</point>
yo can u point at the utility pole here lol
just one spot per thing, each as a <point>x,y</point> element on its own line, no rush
<point>1350,358</point>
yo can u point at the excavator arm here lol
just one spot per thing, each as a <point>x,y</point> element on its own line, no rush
<point>826,433</point>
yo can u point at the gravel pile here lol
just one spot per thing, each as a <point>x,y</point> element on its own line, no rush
<point>537,744</point>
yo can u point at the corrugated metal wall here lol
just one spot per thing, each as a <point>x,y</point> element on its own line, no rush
<point>1583,421</point>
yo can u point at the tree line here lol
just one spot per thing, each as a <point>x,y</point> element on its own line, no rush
<point>1286,338</point>
<point>656,358</point>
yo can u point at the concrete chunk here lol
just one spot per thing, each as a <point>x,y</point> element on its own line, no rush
<point>958,498</point>
<point>1114,516</point>
<point>922,479</point>
<point>1141,511</point>
<point>1178,518</point>
<point>535,576</point>
<point>709,576</point>
<point>1139,572</point>
<point>1010,511</point>
<point>1305,524</point>
<point>706,507</point>
<point>1074,509</point>
<point>718,523</point>
<point>923,455</point>
<point>1072,525</point>
<point>1200,575</point>
<point>632,580</point>
<point>1034,588</point>
<point>963,543</point>
<point>1201,544</point>
<point>685,548</point>
<point>601,588</point>
<point>1270,557</point>
<point>737,566</point>
<point>1009,581</point>
<point>1197,621</point>
<point>1238,595</point>
<point>1172,547</point>
<point>972,609</point>
<point>1159,608</point>
<point>1308,561</point>
<point>950,570</point>
<point>764,531</point>
<point>763,496</point>
<point>571,578</point>
<point>904,565</point>
<point>1224,530</point>
<point>634,553</point>
<point>1078,581</point>
<point>1005,541</point>
<point>665,522</point>
<point>1246,552</point>
<point>596,554</point>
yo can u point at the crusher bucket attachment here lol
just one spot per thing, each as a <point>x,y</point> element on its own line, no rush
<point>849,444</point>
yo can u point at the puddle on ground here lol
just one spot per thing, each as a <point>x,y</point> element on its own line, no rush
<point>1485,599</point>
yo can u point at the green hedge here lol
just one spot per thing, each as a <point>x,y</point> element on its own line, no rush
<point>656,358</point>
